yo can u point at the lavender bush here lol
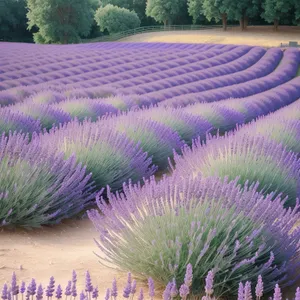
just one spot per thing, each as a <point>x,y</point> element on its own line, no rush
<point>251,158</point>
<point>39,186</point>
<point>158,229</point>
<point>110,156</point>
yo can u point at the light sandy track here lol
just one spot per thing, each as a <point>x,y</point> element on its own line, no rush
<point>255,36</point>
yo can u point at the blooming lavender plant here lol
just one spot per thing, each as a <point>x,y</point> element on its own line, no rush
<point>110,156</point>
<point>251,158</point>
<point>39,186</point>
<point>210,223</point>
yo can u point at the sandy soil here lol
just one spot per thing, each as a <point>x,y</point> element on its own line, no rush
<point>256,36</point>
<point>55,251</point>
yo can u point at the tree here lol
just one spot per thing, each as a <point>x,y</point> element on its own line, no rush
<point>164,10</point>
<point>217,10</point>
<point>242,10</point>
<point>60,21</point>
<point>276,10</point>
<point>297,11</point>
<point>120,3</point>
<point>195,9</point>
<point>13,21</point>
<point>115,19</point>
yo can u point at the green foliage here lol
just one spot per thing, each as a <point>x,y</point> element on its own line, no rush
<point>60,21</point>
<point>276,10</point>
<point>164,10</point>
<point>195,9</point>
<point>115,19</point>
<point>13,21</point>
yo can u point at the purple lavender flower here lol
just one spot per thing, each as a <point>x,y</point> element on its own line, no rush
<point>68,291</point>
<point>4,292</point>
<point>74,276</point>
<point>95,293</point>
<point>277,293</point>
<point>209,283</point>
<point>184,291</point>
<point>174,290</point>
<point>51,287</point>
<point>59,292</point>
<point>167,291</point>
<point>297,296</point>
<point>133,287</point>
<point>31,289</point>
<point>241,291</point>
<point>114,289</point>
<point>39,293</point>
<point>141,295</point>
<point>107,295</point>
<point>188,279</point>
<point>259,289</point>
<point>151,287</point>
<point>82,296</point>
<point>74,290</point>
<point>88,282</point>
<point>23,287</point>
<point>14,286</point>
<point>247,291</point>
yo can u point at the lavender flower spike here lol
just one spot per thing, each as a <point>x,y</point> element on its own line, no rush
<point>50,287</point>
<point>209,282</point>
<point>133,287</point>
<point>22,288</point>
<point>39,293</point>
<point>297,296</point>
<point>247,291</point>
<point>74,276</point>
<point>107,295</point>
<point>184,291</point>
<point>174,290</point>
<point>95,293</point>
<point>167,291</point>
<point>68,291</point>
<point>114,289</point>
<point>259,289</point>
<point>188,279</point>
<point>74,290</point>
<point>241,292</point>
<point>82,296</point>
<point>14,286</point>
<point>151,288</point>
<point>141,295</point>
<point>277,293</point>
<point>4,292</point>
<point>59,292</point>
<point>88,282</point>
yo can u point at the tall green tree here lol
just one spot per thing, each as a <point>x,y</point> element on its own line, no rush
<point>60,21</point>
<point>13,20</point>
<point>242,10</point>
<point>195,9</point>
<point>216,10</point>
<point>276,10</point>
<point>164,11</point>
<point>115,19</point>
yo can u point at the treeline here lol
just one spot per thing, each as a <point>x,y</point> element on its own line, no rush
<point>68,21</point>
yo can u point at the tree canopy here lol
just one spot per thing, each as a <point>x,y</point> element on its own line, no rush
<point>60,21</point>
<point>115,19</point>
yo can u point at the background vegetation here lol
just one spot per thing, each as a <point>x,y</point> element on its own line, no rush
<point>67,21</point>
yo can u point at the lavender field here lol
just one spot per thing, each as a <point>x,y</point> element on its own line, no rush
<point>185,158</point>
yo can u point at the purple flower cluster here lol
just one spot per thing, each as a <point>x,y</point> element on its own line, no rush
<point>12,292</point>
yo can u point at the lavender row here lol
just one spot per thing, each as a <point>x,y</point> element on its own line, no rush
<point>169,69</point>
<point>105,68</point>
<point>61,63</point>
<point>285,71</point>
<point>232,62</point>
<point>55,291</point>
<point>262,68</point>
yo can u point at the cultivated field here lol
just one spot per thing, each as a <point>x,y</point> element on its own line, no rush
<point>75,119</point>
<point>254,35</point>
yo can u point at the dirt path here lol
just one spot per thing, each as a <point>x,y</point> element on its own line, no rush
<point>55,251</point>
<point>256,36</point>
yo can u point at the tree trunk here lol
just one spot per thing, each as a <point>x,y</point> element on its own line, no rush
<point>224,21</point>
<point>276,24</point>
<point>242,20</point>
<point>246,21</point>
